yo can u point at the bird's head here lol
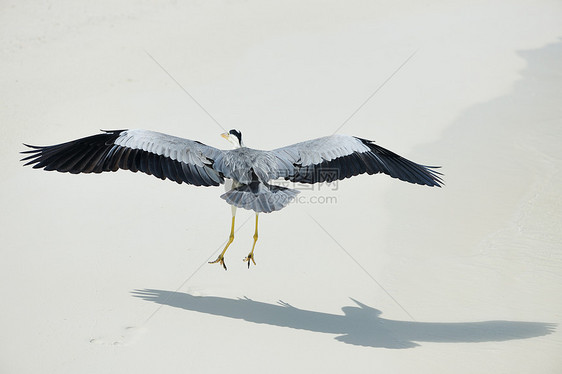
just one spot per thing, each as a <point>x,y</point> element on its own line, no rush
<point>234,137</point>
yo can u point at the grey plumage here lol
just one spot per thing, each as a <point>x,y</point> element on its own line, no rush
<point>260,197</point>
<point>181,160</point>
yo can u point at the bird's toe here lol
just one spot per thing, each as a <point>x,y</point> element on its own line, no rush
<point>249,258</point>
<point>219,260</point>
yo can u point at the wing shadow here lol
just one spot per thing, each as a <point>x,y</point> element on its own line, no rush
<point>358,325</point>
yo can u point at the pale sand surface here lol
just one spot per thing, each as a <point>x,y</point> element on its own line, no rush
<point>462,279</point>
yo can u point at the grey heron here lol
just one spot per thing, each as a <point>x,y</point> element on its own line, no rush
<point>250,171</point>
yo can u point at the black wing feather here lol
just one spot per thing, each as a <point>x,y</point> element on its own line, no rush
<point>376,160</point>
<point>99,153</point>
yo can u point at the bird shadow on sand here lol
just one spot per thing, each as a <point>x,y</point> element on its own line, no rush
<point>359,324</point>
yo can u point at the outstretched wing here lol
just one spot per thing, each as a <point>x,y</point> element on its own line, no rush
<point>153,153</point>
<point>337,157</point>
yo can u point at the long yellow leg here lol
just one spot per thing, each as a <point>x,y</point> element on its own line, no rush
<point>251,254</point>
<point>220,259</point>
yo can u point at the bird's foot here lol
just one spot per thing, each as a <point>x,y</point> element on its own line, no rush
<point>249,258</point>
<point>219,260</point>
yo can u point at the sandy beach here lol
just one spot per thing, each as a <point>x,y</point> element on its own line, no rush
<point>108,273</point>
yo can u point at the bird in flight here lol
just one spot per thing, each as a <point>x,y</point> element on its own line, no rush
<point>246,172</point>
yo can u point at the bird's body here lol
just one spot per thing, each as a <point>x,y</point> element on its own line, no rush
<point>181,160</point>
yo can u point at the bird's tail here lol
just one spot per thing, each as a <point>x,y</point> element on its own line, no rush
<point>260,197</point>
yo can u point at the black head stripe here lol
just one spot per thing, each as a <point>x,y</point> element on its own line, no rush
<point>236,133</point>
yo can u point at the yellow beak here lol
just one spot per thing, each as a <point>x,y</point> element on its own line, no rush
<point>225,135</point>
